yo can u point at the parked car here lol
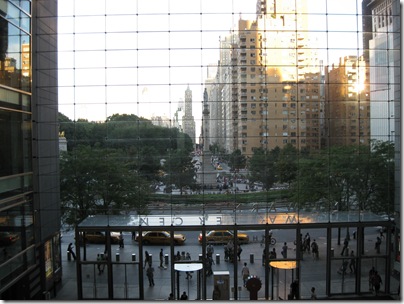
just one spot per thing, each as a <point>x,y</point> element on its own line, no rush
<point>160,238</point>
<point>8,238</point>
<point>99,237</point>
<point>223,237</point>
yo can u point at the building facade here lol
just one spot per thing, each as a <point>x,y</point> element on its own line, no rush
<point>188,119</point>
<point>30,209</point>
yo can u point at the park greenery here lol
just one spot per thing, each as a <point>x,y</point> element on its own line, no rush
<point>113,167</point>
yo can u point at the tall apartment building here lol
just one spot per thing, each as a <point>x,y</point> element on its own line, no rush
<point>188,119</point>
<point>347,103</point>
<point>272,81</point>
<point>30,262</point>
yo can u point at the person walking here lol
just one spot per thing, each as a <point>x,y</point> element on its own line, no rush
<point>245,273</point>
<point>352,262</point>
<point>377,244</point>
<point>294,290</point>
<point>184,296</point>
<point>70,250</point>
<point>161,258</point>
<point>372,272</point>
<point>121,245</point>
<point>99,263</point>
<point>314,250</point>
<point>285,250</point>
<point>150,275</point>
<point>307,241</point>
<point>146,259</point>
<point>377,281</point>
<point>345,246</point>
<point>239,250</point>
<point>313,294</point>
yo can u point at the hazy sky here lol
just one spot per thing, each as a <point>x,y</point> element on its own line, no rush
<point>140,58</point>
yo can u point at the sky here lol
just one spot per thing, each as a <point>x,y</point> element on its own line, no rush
<point>138,57</point>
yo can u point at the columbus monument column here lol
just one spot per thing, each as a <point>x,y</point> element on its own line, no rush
<point>207,174</point>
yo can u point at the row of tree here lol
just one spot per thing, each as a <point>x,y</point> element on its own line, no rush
<point>112,167</point>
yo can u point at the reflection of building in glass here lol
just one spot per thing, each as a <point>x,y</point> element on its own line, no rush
<point>347,103</point>
<point>26,60</point>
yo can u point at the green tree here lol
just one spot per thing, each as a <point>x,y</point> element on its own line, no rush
<point>237,160</point>
<point>98,181</point>
<point>180,170</point>
<point>262,166</point>
<point>286,166</point>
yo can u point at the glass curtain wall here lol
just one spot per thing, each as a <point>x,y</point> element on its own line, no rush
<point>192,116</point>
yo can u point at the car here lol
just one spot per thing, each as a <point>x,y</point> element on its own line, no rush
<point>8,238</point>
<point>99,237</point>
<point>160,238</point>
<point>223,236</point>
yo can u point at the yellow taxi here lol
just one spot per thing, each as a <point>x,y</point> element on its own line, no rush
<point>99,237</point>
<point>160,238</point>
<point>223,237</point>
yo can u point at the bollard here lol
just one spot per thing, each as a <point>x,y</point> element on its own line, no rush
<point>133,257</point>
<point>166,259</point>
<point>332,252</point>
<point>69,256</point>
<point>217,258</point>
<point>200,257</point>
<point>117,257</point>
<point>150,258</point>
<point>252,258</point>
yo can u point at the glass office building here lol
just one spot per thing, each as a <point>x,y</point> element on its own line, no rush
<point>30,263</point>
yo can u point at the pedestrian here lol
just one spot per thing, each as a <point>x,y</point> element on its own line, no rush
<point>314,250</point>
<point>216,295</point>
<point>146,259</point>
<point>377,281</point>
<point>272,254</point>
<point>285,250</point>
<point>245,273</point>
<point>99,263</point>
<point>184,296</point>
<point>371,275</point>
<point>294,290</point>
<point>210,250</point>
<point>70,250</point>
<point>345,246</point>
<point>161,258</point>
<point>343,267</point>
<point>208,266</point>
<point>352,262</point>
<point>307,241</point>
<point>377,244</point>
<point>178,256</point>
<point>121,245</point>
<point>313,294</point>
<point>188,256</point>
<point>171,297</point>
<point>150,275</point>
<point>239,250</point>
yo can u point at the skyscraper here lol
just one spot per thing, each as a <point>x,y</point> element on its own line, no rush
<point>188,119</point>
